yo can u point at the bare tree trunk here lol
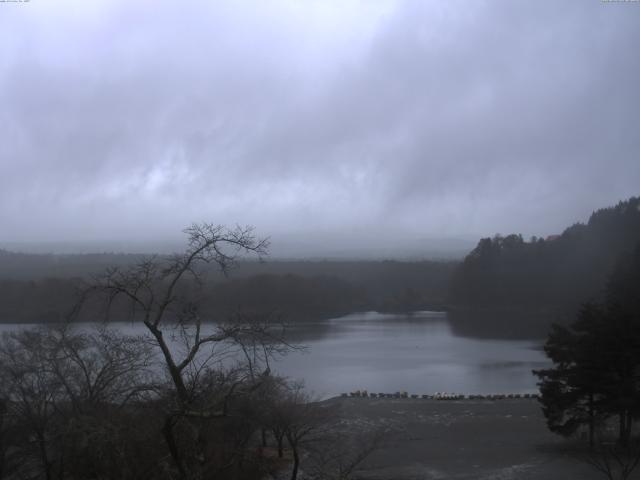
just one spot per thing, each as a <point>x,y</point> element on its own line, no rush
<point>591,421</point>
<point>625,428</point>
<point>167,432</point>
<point>44,457</point>
<point>60,468</point>
<point>2,449</point>
<point>296,462</point>
<point>280,440</point>
<point>174,371</point>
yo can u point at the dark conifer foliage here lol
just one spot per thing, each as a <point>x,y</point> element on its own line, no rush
<point>555,274</point>
<point>300,290</point>
<point>596,372</point>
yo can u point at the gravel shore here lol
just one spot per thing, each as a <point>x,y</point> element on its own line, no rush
<point>460,439</point>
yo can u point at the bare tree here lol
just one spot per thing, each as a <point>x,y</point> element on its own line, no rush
<point>8,463</point>
<point>164,294</point>
<point>104,367</point>
<point>154,291</point>
<point>275,417</point>
<point>614,461</point>
<point>31,393</point>
<point>339,456</point>
<point>299,419</point>
<point>313,433</point>
<point>59,387</point>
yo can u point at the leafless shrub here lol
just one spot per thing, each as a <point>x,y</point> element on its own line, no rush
<point>339,456</point>
<point>613,460</point>
<point>64,393</point>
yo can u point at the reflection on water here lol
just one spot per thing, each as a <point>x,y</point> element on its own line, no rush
<point>418,353</point>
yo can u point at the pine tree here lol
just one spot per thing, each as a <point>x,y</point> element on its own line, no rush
<point>596,372</point>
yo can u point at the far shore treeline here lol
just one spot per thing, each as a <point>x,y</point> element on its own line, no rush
<point>43,288</point>
<point>506,286</point>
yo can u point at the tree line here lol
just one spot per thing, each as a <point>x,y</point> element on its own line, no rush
<point>298,290</point>
<point>186,400</point>
<point>552,276</point>
<point>594,383</point>
<point>97,404</point>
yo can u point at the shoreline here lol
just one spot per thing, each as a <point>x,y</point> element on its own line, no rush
<point>440,396</point>
<point>458,438</point>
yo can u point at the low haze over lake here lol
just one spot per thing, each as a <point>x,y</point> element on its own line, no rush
<point>417,353</point>
<point>224,224</point>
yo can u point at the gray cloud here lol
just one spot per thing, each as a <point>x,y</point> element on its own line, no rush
<point>344,120</point>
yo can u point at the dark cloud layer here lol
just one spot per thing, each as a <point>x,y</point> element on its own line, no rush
<point>353,121</point>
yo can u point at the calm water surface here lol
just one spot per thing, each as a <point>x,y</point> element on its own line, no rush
<point>417,353</point>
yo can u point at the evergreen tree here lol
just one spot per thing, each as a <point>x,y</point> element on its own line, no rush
<point>570,391</point>
<point>596,372</point>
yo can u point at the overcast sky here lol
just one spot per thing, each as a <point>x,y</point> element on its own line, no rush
<point>355,121</point>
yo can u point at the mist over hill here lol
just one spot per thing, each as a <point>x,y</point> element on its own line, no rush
<point>506,286</point>
<point>343,246</point>
<point>508,283</point>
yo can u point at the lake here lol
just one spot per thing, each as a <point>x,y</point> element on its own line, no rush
<point>417,353</point>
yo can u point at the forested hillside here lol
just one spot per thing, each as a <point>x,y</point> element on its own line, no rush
<point>42,288</point>
<point>550,276</point>
<point>506,285</point>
